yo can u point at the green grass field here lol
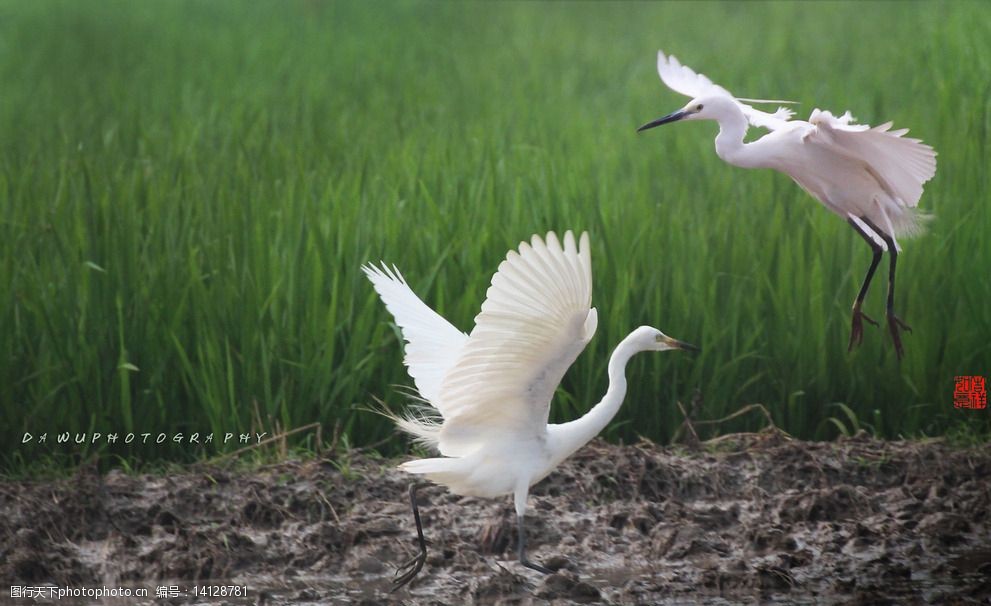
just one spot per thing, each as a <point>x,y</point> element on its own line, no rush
<point>188,190</point>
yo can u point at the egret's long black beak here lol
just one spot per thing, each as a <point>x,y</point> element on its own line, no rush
<point>676,344</point>
<point>672,117</point>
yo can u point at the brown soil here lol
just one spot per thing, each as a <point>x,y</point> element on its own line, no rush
<point>764,519</point>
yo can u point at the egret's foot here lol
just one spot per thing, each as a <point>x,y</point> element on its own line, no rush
<point>406,572</point>
<point>895,324</point>
<point>857,328</point>
<point>535,566</point>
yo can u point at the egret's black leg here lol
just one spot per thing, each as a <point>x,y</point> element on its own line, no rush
<point>857,329</point>
<point>894,322</point>
<point>406,572</point>
<point>521,549</point>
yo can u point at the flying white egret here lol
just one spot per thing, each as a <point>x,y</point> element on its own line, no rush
<point>491,390</point>
<point>871,177</point>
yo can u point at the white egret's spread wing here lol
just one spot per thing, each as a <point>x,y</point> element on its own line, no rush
<point>683,79</point>
<point>432,343</point>
<point>536,319</point>
<point>900,164</point>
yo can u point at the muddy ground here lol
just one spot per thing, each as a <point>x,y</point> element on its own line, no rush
<point>760,519</point>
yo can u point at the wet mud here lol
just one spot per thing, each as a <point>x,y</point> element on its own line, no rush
<point>760,519</point>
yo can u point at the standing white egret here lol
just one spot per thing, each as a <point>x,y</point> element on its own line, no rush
<point>491,390</point>
<point>871,177</point>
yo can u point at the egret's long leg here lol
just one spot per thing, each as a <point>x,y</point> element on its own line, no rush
<point>894,322</point>
<point>521,549</point>
<point>406,572</point>
<point>857,328</point>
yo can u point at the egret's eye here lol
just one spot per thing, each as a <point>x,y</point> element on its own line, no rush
<point>698,107</point>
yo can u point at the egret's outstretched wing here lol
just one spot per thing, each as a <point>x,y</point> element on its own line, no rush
<point>683,79</point>
<point>432,343</point>
<point>536,319</point>
<point>900,164</point>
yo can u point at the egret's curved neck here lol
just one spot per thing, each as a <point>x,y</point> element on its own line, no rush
<point>566,438</point>
<point>729,142</point>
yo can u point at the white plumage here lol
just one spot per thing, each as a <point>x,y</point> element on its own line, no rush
<point>682,79</point>
<point>537,317</point>
<point>492,389</point>
<point>871,177</point>
<point>432,344</point>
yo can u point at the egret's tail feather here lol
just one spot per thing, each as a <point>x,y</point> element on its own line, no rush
<point>902,221</point>
<point>421,422</point>
<point>446,471</point>
<point>912,223</point>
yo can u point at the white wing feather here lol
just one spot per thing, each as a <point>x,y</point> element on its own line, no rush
<point>683,79</point>
<point>536,319</point>
<point>900,164</point>
<point>432,343</point>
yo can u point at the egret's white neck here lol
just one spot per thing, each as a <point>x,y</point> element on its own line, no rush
<point>729,142</point>
<point>566,438</point>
